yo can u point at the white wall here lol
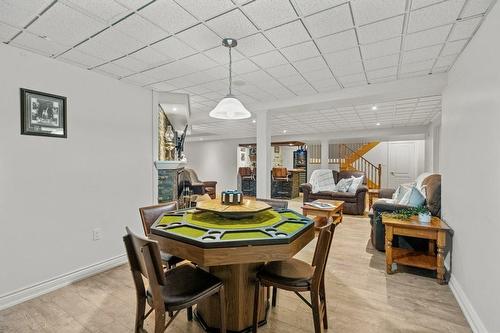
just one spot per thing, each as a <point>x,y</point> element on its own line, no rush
<point>432,146</point>
<point>469,151</point>
<point>54,191</point>
<point>214,160</point>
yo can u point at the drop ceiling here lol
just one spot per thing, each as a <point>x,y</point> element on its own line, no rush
<point>287,48</point>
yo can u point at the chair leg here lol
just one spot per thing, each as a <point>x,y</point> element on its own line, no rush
<point>256,307</point>
<point>323,302</point>
<point>222,304</point>
<point>268,294</point>
<point>159,321</point>
<point>139,314</point>
<point>315,302</point>
<point>190,313</point>
<point>275,296</point>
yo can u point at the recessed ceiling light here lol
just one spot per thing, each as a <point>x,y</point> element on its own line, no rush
<point>374,108</point>
<point>174,109</point>
<point>378,124</point>
<point>254,121</point>
<point>284,131</point>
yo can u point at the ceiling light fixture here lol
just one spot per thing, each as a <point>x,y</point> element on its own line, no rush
<point>284,131</point>
<point>374,108</point>
<point>230,107</point>
<point>254,121</point>
<point>378,124</point>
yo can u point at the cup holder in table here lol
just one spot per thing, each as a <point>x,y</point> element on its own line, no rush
<point>208,238</point>
<point>280,234</point>
<point>214,232</point>
<point>271,229</point>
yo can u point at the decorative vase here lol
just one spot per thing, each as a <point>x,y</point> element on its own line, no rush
<point>424,217</point>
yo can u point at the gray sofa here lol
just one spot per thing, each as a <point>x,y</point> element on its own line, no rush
<point>432,183</point>
<point>354,203</point>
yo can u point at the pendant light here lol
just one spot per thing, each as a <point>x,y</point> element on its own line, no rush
<point>230,107</point>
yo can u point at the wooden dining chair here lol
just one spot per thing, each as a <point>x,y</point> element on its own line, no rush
<point>276,204</point>
<point>169,291</point>
<point>149,215</point>
<point>298,276</point>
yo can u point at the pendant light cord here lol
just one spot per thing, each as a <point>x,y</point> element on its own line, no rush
<point>230,71</point>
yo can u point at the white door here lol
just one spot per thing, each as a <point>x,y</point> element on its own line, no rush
<point>402,163</point>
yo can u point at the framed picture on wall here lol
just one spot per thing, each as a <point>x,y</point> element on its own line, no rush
<point>43,114</point>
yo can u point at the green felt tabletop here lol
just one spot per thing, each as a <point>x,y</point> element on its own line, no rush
<point>289,227</point>
<point>188,231</point>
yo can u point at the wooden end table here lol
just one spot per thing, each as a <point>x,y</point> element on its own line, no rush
<point>372,193</point>
<point>322,215</point>
<point>435,232</point>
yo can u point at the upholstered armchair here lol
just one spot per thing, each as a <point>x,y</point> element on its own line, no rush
<point>189,178</point>
<point>354,203</point>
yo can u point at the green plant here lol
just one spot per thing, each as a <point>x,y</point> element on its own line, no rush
<point>406,213</point>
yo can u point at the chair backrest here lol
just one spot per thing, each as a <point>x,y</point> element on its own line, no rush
<point>144,259</point>
<point>193,176</point>
<point>151,213</point>
<point>276,204</point>
<point>245,171</point>
<point>322,251</point>
<point>280,172</point>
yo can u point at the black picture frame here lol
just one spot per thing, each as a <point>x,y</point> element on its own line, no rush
<point>43,114</point>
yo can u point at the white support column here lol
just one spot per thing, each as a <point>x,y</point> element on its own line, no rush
<point>263,154</point>
<point>324,154</point>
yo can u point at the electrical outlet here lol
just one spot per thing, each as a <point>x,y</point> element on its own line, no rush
<point>96,234</point>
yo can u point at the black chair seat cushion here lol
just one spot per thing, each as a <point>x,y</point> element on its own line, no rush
<point>170,259</point>
<point>185,285</point>
<point>291,272</point>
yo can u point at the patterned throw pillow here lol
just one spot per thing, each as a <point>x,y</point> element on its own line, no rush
<point>413,198</point>
<point>343,185</point>
<point>355,184</point>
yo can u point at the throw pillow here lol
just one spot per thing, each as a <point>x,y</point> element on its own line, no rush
<point>413,198</point>
<point>401,191</point>
<point>343,185</point>
<point>322,180</point>
<point>355,184</point>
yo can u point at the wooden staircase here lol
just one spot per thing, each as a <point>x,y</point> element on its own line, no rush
<point>351,159</point>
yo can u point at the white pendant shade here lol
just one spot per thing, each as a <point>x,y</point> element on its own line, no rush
<point>230,108</point>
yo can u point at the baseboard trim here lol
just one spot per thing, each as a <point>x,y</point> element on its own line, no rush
<point>470,313</point>
<point>38,289</point>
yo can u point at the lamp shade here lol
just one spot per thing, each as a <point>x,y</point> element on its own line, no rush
<point>230,108</point>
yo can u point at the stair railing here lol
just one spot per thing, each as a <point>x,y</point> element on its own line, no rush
<point>373,172</point>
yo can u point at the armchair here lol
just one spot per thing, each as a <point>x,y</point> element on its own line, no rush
<point>189,178</point>
<point>354,203</point>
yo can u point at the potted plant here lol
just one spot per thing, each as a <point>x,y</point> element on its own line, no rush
<point>424,216</point>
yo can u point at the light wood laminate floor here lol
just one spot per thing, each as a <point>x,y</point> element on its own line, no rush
<point>361,298</point>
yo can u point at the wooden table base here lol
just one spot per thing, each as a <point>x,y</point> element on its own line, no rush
<point>239,285</point>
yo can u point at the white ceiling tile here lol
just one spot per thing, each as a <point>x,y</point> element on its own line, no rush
<point>141,79</point>
<point>422,54</point>
<point>174,48</point>
<point>81,58</point>
<point>133,64</point>
<point>141,29</point>
<point>233,24</point>
<point>110,44</point>
<point>300,51</point>
<point>337,42</point>
<point>168,15</point>
<point>329,21</point>
<point>7,32</point>
<point>292,80</point>
<point>19,13</point>
<point>439,14</point>
<point>282,71</point>
<point>114,70</point>
<point>367,11</point>
<point>197,62</point>
<point>218,72</point>
<point>427,37</point>
<point>424,66</point>
<point>65,25</point>
<point>270,59</point>
<point>36,44</point>
<point>270,13</point>
<point>204,9</point>
<point>162,86</point>
<point>307,7</point>
<point>312,64</point>
<point>445,61</point>
<point>345,62</point>
<point>220,54</point>
<point>379,73</point>
<point>465,29</point>
<point>244,66</point>
<point>454,47</point>
<point>108,11</point>
<point>288,34</point>
<point>382,62</point>
<point>315,76</point>
<point>200,38</point>
<point>151,56</point>
<point>476,7</point>
<point>381,49</point>
<point>381,30</point>
<point>254,44</point>
<point>353,80</point>
<point>133,4</point>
